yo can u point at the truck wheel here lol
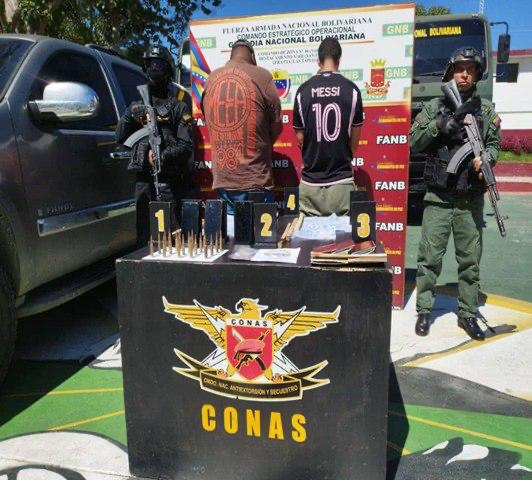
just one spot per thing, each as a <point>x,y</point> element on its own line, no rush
<point>8,323</point>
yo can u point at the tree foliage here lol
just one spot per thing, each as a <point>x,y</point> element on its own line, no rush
<point>126,24</point>
<point>434,10</point>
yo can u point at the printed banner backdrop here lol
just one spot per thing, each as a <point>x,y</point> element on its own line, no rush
<point>377,44</point>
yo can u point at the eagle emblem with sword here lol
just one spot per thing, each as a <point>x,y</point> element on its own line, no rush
<point>248,362</point>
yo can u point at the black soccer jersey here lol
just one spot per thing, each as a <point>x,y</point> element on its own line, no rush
<point>326,107</point>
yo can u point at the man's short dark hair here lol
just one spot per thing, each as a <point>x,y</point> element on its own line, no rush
<point>329,48</point>
<point>242,42</point>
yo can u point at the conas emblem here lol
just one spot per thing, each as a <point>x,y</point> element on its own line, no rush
<point>248,362</point>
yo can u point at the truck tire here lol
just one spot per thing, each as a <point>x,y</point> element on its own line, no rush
<point>8,323</point>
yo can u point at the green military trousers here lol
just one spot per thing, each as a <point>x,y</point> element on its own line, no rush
<point>324,201</point>
<point>463,216</point>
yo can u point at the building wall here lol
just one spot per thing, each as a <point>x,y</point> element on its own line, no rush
<point>513,101</point>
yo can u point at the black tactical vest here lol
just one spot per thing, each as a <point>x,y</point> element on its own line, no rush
<point>440,153</point>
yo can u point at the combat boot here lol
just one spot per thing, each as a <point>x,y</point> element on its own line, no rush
<point>470,325</point>
<point>423,324</point>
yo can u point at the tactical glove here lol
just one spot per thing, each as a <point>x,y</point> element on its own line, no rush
<point>139,157</point>
<point>138,112</point>
<point>470,106</point>
<point>448,125</point>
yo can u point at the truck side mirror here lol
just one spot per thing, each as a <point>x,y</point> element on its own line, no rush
<point>66,102</point>
<point>184,71</point>
<point>184,65</point>
<point>507,72</point>
<point>503,48</point>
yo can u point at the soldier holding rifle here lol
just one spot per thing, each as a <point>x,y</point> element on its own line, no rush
<point>457,173</point>
<point>161,143</point>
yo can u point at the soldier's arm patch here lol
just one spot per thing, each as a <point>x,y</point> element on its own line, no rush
<point>497,121</point>
<point>186,120</point>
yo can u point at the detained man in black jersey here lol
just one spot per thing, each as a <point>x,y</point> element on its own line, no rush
<point>328,117</point>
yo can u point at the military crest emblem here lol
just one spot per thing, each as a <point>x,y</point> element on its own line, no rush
<point>248,360</point>
<point>378,86</point>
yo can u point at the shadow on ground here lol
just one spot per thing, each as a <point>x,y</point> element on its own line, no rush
<point>50,348</point>
<point>397,424</point>
<point>28,381</point>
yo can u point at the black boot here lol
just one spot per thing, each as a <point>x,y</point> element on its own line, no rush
<point>470,325</point>
<point>423,324</point>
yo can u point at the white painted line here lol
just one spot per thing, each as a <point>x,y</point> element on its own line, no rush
<point>503,365</point>
<point>513,179</point>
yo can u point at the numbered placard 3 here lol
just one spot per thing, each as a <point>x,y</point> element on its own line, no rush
<point>265,224</point>
<point>358,196</point>
<point>363,221</point>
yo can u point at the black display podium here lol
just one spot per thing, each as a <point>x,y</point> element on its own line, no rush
<point>237,370</point>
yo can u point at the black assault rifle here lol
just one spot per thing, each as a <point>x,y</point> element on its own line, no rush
<point>152,132</point>
<point>474,146</point>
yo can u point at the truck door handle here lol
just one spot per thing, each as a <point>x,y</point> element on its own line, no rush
<point>122,155</point>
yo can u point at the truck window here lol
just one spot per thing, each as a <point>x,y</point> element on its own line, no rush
<point>128,80</point>
<point>435,41</point>
<point>69,66</point>
<point>11,54</point>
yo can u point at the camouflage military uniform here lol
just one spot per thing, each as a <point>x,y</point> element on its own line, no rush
<point>453,203</point>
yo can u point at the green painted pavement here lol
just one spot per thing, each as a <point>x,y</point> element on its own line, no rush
<point>43,399</point>
<point>503,432</point>
<point>506,267</point>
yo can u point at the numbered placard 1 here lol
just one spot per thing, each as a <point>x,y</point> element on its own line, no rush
<point>265,225</point>
<point>363,221</point>
<point>215,219</point>
<point>162,219</point>
<point>244,223</point>
<point>291,201</point>
<point>190,216</point>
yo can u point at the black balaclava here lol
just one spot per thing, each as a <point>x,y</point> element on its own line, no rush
<point>158,72</point>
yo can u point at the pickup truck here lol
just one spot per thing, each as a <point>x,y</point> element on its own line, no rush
<point>66,198</point>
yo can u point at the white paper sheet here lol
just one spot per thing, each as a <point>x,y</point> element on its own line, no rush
<point>323,228</point>
<point>278,255</point>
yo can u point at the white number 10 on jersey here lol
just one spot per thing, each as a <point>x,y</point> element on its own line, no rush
<point>322,128</point>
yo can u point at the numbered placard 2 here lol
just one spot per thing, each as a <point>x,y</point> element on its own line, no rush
<point>162,219</point>
<point>265,225</point>
<point>291,201</point>
<point>363,221</point>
